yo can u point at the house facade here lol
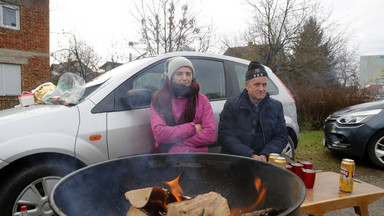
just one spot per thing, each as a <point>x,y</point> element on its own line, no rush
<point>24,47</point>
<point>107,66</point>
<point>371,70</point>
<point>246,52</point>
<point>57,70</point>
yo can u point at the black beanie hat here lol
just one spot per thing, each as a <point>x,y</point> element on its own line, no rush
<point>255,69</point>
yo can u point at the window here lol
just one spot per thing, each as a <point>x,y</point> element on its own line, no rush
<point>9,16</point>
<point>150,79</point>
<point>10,80</point>
<point>210,75</point>
<point>240,73</point>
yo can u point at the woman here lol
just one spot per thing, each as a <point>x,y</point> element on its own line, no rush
<point>181,118</point>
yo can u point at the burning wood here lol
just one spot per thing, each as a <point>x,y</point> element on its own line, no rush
<point>133,211</point>
<point>154,199</point>
<point>161,201</point>
<point>139,198</point>
<point>147,200</point>
<point>258,213</point>
<point>210,203</point>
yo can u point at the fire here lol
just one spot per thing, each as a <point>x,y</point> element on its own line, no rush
<point>260,187</point>
<point>261,190</point>
<point>176,190</point>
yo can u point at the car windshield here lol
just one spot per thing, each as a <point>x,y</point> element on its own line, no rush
<point>97,83</point>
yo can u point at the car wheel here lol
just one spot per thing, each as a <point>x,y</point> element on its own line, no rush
<point>289,149</point>
<point>376,149</point>
<point>30,185</point>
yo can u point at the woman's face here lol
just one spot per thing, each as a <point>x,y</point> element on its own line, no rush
<point>183,76</point>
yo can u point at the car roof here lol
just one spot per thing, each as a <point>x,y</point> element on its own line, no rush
<point>148,60</point>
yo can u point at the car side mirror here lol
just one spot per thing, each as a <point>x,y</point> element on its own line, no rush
<point>137,98</point>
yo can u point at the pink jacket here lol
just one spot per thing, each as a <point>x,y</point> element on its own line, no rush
<point>184,135</point>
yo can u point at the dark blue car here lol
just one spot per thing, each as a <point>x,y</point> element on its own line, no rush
<point>357,131</point>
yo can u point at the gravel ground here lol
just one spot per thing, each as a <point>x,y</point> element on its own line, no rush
<point>366,172</point>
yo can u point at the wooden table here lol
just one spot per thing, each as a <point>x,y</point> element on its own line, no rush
<point>325,196</point>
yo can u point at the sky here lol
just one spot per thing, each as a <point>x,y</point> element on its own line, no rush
<point>108,25</point>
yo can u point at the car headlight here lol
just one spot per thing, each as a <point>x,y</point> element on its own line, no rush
<point>357,117</point>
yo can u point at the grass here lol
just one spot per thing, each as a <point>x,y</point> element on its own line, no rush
<point>311,148</point>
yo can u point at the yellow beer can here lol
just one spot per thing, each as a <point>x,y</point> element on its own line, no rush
<point>280,161</point>
<point>347,171</point>
<point>272,157</point>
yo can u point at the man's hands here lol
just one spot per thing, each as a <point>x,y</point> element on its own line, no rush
<point>259,157</point>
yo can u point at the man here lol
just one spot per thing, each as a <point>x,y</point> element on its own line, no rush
<point>252,124</point>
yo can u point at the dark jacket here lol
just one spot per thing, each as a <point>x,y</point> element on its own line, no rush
<point>245,129</point>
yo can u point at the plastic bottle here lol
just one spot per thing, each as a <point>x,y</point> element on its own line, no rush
<point>23,211</point>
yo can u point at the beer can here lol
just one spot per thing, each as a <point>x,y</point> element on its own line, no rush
<point>280,161</point>
<point>347,171</point>
<point>272,157</point>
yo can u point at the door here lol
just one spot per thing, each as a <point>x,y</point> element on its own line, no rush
<point>129,131</point>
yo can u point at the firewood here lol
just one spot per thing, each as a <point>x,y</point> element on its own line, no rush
<point>207,204</point>
<point>151,199</point>
<point>258,212</point>
<point>137,212</point>
<point>139,197</point>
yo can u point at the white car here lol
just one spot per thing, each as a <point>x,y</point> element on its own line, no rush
<point>40,144</point>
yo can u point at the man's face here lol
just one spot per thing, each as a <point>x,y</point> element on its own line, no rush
<point>183,76</point>
<point>257,88</point>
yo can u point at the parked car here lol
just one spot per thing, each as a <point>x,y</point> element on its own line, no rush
<point>40,144</point>
<point>357,131</point>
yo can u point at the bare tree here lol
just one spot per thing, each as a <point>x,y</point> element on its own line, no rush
<point>275,25</point>
<point>347,67</point>
<point>170,25</point>
<point>77,57</point>
<point>346,64</point>
<point>307,51</point>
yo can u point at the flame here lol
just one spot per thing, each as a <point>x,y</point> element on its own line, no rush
<point>159,197</point>
<point>176,190</point>
<point>261,190</point>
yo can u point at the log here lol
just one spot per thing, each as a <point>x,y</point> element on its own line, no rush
<point>151,199</point>
<point>139,197</point>
<point>257,213</point>
<point>137,212</point>
<point>209,204</point>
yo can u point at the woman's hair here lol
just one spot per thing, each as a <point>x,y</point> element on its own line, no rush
<point>163,104</point>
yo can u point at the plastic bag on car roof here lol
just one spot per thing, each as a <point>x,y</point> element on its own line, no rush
<point>69,89</point>
<point>42,91</point>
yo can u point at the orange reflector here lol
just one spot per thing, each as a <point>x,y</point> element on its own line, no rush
<point>95,137</point>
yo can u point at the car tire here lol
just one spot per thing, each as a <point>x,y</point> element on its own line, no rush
<point>29,183</point>
<point>289,150</point>
<point>375,149</point>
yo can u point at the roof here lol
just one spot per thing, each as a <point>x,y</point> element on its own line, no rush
<point>110,65</point>
<point>375,88</point>
<point>241,52</point>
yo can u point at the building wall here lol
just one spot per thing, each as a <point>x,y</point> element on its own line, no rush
<point>29,46</point>
<point>371,70</point>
